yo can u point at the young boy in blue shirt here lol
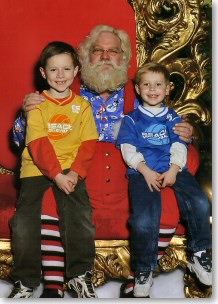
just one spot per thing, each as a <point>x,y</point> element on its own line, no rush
<point>156,158</point>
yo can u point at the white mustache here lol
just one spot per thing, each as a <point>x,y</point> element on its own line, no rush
<point>103,62</point>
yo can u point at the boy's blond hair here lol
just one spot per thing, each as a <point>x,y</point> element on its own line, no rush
<point>151,67</point>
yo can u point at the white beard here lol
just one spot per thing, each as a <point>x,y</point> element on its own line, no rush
<point>93,76</point>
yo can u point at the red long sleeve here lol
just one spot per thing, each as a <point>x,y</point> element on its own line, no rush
<point>45,157</point>
<point>84,157</point>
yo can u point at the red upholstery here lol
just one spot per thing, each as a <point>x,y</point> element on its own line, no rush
<point>7,203</point>
<point>110,221</point>
<point>27,26</point>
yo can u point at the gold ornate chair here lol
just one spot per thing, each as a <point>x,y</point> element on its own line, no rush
<point>175,33</point>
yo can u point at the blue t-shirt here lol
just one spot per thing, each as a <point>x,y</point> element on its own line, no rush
<point>151,134</point>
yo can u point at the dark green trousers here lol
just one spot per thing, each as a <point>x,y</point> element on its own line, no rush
<point>76,229</point>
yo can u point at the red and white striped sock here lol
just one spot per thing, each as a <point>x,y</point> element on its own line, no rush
<point>165,236</point>
<point>53,254</point>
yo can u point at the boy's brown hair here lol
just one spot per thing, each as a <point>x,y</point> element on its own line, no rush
<point>57,48</point>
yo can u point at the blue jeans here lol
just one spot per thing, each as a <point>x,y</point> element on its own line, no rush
<point>146,212</point>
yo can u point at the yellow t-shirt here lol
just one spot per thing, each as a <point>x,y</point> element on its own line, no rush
<point>66,123</point>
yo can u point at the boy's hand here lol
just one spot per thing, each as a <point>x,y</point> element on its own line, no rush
<point>168,178</point>
<point>150,176</point>
<point>65,183</point>
<point>30,101</point>
<point>74,177</point>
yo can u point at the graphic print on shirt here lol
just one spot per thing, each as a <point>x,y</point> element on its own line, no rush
<point>156,134</point>
<point>59,126</point>
<point>102,133</point>
<point>112,107</point>
<point>99,114</point>
<point>108,113</point>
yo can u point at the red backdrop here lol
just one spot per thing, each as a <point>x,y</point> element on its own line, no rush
<point>27,26</point>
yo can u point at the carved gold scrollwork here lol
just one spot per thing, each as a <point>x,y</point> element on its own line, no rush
<point>5,171</point>
<point>171,32</point>
<point>112,260</point>
<point>6,259</point>
<point>175,255</point>
<point>194,289</point>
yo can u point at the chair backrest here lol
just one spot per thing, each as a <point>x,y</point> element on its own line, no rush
<point>27,26</point>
